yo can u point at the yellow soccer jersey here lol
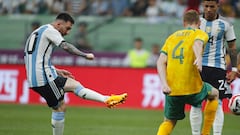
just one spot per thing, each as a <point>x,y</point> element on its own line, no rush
<point>182,76</point>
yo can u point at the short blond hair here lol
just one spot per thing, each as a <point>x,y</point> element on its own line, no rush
<point>191,17</point>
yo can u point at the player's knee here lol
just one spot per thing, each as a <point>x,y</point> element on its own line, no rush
<point>211,106</point>
<point>214,94</point>
<point>61,107</point>
<point>71,85</point>
<point>173,122</point>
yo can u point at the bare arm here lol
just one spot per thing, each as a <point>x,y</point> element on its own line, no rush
<point>198,48</point>
<point>73,50</point>
<point>233,57</point>
<point>233,53</point>
<point>162,70</point>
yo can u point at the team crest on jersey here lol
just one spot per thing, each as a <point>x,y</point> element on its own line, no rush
<point>218,30</point>
<point>208,29</point>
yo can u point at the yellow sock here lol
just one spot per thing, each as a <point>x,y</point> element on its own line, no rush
<point>165,128</point>
<point>209,116</point>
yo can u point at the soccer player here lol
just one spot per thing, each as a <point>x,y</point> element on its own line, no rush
<point>178,66</point>
<point>50,82</point>
<point>214,66</point>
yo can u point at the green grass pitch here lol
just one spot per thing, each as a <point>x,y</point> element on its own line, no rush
<point>35,120</point>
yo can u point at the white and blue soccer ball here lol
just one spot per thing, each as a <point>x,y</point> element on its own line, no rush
<point>234,104</point>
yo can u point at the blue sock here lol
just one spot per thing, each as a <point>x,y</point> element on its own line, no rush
<point>57,123</point>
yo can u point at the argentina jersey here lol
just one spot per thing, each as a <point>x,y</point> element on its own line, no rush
<point>219,31</point>
<point>37,53</point>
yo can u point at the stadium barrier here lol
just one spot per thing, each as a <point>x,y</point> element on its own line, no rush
<point>63,58</point>
<point>142,85</point>
<point>114,36</point>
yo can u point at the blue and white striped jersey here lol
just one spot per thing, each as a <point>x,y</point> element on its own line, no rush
<point>38,50</point>
<point>219,31</point>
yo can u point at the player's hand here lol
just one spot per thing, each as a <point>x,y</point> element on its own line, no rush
<point>231,76</point>
<point>198,63</point>
<point>166,89</point>
<point>89,56</point>
<point>65,73</point>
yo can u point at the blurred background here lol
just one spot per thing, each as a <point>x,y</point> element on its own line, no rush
<point>106,27</point>
<point>111,25</point>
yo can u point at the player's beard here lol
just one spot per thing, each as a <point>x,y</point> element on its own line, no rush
<point>210,16</point>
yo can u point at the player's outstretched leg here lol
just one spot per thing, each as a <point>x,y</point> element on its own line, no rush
<point>110,101</point>
<point>88,94</point>
<point>115,100</point>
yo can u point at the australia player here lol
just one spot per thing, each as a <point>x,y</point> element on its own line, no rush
<point>178,66</point>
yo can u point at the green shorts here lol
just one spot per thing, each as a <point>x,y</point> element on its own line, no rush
<point>175,105</point>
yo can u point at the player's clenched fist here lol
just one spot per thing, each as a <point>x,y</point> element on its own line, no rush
<point>89,56</point>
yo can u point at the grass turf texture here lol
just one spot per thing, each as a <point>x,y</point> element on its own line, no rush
<point>35,120</point>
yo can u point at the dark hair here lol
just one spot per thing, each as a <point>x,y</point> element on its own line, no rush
<point>83,24</point>
<point>138,39</point>
<point>65,17</point>
<point>36,23</point>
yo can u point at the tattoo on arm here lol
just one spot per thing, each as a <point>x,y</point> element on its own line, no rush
<point>233,56</point>
<point>72,49</point>
<point>238,59</point>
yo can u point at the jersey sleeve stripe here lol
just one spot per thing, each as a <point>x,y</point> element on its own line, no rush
<point>163,52</point>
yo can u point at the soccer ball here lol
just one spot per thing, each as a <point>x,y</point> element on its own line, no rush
<point>234,104</point>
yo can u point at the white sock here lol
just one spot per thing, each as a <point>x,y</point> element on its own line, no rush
<point>57,123</point>
<point>196,120</point>
<point>219,120</point>
<point>86,93</point>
